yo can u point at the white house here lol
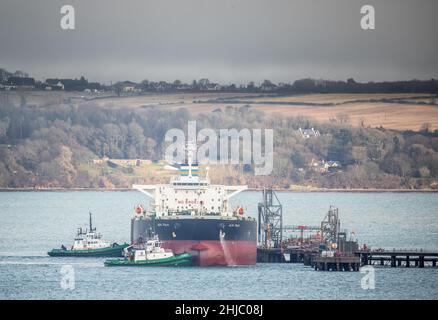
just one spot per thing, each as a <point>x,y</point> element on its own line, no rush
<point>307,133</point>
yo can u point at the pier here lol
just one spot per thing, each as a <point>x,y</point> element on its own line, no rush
<point>391,258</point>
<point>349,263</point>
<point>277,255</point>
<point>310,258</point>
<point>326,247</point>
<point>399,258</point>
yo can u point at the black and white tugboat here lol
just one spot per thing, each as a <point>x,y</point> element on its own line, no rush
<point>89,243</point>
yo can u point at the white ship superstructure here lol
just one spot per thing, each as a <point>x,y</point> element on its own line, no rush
<point>89,239</point>
<point>191,195</point>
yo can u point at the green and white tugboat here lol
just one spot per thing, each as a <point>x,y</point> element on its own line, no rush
<point>89,243</point>
<point>150,254</point>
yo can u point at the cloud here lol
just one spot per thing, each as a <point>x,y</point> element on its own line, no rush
<point>226,40</point>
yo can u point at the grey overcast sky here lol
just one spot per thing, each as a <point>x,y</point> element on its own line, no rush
<point>224,40</point>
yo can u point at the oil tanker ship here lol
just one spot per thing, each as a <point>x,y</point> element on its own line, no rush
<point>191,215</point>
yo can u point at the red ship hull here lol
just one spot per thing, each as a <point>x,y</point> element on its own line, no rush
<point>212,241</point>
<point>216,253</point>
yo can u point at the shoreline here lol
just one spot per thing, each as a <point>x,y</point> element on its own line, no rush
<point>298,190</point>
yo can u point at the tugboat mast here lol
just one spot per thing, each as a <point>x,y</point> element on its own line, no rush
<point>91,225</point>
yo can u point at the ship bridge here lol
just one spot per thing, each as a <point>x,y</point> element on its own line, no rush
<point>190,194</point>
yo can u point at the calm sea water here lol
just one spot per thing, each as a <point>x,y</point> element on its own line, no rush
<point>31,223</point>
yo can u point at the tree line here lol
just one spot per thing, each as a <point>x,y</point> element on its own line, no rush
<point>307,85</point>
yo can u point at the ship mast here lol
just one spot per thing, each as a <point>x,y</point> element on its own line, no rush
<point>91,225</point>
<point>191,149</point>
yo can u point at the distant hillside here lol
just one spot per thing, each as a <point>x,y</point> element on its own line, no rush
<point>55,145</point>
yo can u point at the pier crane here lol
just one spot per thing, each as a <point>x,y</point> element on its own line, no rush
<point>270,220</point>
<point>331,225</point>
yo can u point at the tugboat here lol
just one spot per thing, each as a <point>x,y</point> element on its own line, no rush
<point>150,254</point>
<point>89,243</point>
